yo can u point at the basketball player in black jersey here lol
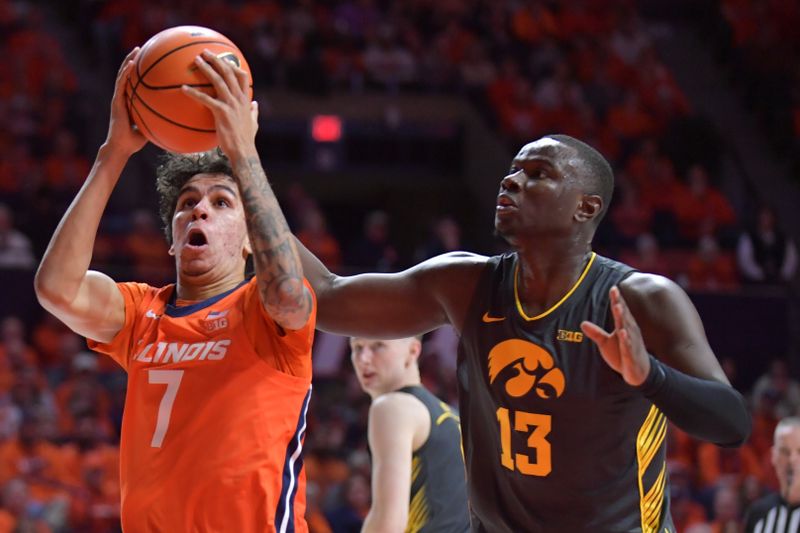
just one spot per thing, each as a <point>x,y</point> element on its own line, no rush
<point>418,482</point>
<point>569,363</point>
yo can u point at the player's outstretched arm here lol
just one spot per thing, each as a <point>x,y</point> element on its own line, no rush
<point>394,419</point>
<point>87,301</point>
<point>392,306</point>
<point>659,345</point>
<point>278,268</point>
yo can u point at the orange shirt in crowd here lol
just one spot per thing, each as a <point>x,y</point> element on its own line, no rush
<point>214,418</point>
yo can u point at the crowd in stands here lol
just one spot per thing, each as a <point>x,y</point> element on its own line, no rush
<point>761,44</point>
<point>587,68</point>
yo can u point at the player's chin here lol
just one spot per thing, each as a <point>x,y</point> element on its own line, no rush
<point>503,230</point>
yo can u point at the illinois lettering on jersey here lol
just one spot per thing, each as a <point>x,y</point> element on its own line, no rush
<point>215,413</point>
<point>554,439</point>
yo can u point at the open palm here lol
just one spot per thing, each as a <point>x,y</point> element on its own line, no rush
<point>622,349</point>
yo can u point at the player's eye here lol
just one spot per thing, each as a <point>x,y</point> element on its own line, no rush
<point>187,203</point>
<point>222,202</point>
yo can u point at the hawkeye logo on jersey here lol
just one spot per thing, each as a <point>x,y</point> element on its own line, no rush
<point>216,320</point>
<point>569,336</point>
<point>533,366</point>
<point>175,352</point>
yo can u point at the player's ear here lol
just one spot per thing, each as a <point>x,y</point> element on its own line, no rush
<point>248,248</point>
<point>589,207</point>
<point>171,250</point>
<point>414,350</point>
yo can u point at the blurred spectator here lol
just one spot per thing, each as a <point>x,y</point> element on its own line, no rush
<point>779,388</point>
<point>764,253</point>
<point>18,512</point>
<point>685,511</point>
<point>349,515</point>
<point>148,250</point>
<point>372,251</point>
<point>15,248</point>
<point>43,466</point>
<point>313,233</point>
<point>726,466</point>
<point>727,511</point>
<point>702,209</point>
<point>65,169</point>
<point>445,236</point>
<point>711,268</point>
<point>631,215</point>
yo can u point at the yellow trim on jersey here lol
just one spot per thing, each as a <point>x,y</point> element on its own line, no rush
<point>561,301</point>
<point>418,508</point>
<point>649,440</point>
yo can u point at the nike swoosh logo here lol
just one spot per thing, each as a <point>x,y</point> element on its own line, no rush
<point>487,318</point>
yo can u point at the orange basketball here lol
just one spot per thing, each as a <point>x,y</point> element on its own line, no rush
<point>156,103</point>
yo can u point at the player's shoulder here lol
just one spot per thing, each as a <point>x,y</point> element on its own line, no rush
<point>645,285</point>
<point>396,406</point>
<point>456,260</point>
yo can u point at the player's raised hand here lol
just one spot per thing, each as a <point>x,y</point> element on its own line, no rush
<point>121,133</point>
<point>623,349</point>
<point>235,116</point>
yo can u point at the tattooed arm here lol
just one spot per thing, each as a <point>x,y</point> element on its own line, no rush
<point>278,269</point>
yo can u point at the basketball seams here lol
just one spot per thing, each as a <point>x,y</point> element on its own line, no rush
<point>167,54</point>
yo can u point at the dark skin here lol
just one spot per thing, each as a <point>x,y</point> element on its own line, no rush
<point>546,211</point>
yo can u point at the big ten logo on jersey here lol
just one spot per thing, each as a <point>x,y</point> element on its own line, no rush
<point>216,320</point>
<point>524,367</point>
<point>569,336</point>
<point>179,352</point>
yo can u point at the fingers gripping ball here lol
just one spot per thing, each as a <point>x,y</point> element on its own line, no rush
<point>161,111</point>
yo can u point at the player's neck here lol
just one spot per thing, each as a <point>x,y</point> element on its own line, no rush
<point>191,290</point>
<point>545,276</point>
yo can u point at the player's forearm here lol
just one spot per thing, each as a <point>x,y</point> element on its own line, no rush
<point>378,522</point>
<point>278,268</point>
<point>69,253</point>
<point>705,409</point>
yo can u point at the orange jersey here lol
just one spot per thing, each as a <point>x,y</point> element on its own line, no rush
<point>215,413</point>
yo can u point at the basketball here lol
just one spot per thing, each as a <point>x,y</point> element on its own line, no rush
<point>161,111</point>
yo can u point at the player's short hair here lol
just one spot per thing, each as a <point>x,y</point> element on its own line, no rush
<point>175,170</point>
<point>597,175</point>
<point>788,422</point>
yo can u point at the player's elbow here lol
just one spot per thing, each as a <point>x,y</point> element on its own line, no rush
<point>739,423</point>
<point>49,290</point>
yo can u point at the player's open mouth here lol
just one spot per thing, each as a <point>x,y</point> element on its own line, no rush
<point>197,239</point>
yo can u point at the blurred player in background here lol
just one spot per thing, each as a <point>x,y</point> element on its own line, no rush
<point>780,513</point>
<point>418,481</point>
<point>569,363</point>
<point>219,367</point>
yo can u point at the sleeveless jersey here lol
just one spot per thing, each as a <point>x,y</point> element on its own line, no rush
<point>554,439</point>
<point>213,430</point>
<point>438,485</point>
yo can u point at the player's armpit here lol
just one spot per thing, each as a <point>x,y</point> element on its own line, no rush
<point>97,311</point>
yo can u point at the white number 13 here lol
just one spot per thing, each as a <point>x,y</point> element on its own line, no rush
<point>172,379</point>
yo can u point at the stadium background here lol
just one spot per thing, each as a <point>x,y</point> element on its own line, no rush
<point>386,126</point>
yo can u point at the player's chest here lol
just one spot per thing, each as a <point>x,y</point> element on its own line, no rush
<point>213,338</point>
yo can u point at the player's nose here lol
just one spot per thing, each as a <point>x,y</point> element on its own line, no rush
<point>201,210</point>
<point>510,182</point>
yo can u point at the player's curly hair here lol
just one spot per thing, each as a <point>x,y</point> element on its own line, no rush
<point>175,170</point>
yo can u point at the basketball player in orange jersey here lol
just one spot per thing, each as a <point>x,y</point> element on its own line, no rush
<point>418,480</point>
<point>569,363</point>
<point>219,367</point>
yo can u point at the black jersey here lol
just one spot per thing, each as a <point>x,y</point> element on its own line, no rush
<point>772,514</point>
<point>554,439</point>
<point>438,485</point>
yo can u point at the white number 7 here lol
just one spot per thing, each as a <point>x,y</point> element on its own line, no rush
<point>172,379</point>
